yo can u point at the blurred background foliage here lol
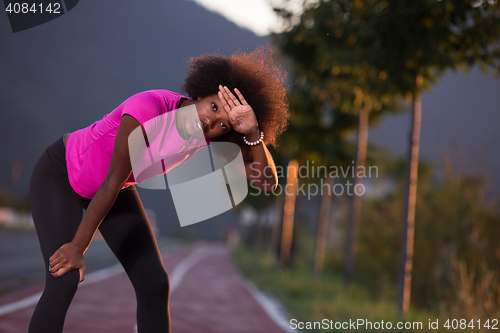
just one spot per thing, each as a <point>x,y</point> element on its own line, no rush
<point>380,55</point>
<point>457,253</point>
<point>456,233</point>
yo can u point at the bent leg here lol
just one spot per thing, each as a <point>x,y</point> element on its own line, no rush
<point>57,212</point>
<point>129,235</point>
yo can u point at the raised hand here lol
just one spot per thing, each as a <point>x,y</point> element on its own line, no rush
<point>241,115</point>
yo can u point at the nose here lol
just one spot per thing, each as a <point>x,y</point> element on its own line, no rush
<point>211,120</point>
<point>208,122</point>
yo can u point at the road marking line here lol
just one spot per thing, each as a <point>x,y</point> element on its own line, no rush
<point>91,278</point>
<point>272,307</point>
<point>103,274</point>
<point>181,269</point>
<point>94,277</point>
<point>21,304</point>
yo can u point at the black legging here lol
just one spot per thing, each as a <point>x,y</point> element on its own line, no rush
<point>57,211</point>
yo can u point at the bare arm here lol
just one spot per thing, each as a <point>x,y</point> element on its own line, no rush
<point>70,255</point>
<point>262,171</point>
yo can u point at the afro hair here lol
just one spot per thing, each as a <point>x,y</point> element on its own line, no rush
<point>259,80</point>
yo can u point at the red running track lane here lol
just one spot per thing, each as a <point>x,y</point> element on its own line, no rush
<point>207,295</point>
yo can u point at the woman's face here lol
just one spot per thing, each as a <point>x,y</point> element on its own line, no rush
<point>213,119</point>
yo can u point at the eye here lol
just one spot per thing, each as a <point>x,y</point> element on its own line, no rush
<point>224,127</point>
<point>214,106</point>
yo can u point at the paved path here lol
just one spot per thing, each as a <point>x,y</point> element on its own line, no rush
<point>207,295</point>
<point>21,261</point>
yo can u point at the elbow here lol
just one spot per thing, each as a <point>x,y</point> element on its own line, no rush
<point>112,182</point>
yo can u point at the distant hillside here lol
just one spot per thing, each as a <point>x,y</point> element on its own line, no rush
<point>68,73</point>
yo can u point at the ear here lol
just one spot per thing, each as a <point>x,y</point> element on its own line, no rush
<point>199,98</point>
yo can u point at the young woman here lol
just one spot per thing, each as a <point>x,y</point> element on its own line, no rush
<point>91,169</point>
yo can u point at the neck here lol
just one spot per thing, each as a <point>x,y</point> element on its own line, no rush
<point>186,103</point>
<point>179,120</point>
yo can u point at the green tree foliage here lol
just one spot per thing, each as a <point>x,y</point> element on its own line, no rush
<point>457,253</point>
<point>312,135</point>
<point>386,44</point>
<point>390,48</point>
<point>332,81</point>
<point>334,74</point>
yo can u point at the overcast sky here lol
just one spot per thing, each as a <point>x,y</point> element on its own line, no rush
<point>255,15</point>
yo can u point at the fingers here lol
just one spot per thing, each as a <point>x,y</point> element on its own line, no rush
<point>240,96</point>
<point>61,271</point>
<point>233,100</point>
<point>224,103</point>
<point>227,103</point>
<point>54,256</point>
<point>82,274</point>
<point>56,267</point>
<point>237,109</point>
<point>225,93</point>
<point>59,265</point>
<point>229,96</point>
<point>55,261</point>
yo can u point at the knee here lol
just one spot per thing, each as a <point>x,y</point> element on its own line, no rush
<point>163,284</point>
<point>157,285</point>
<point>65,285</point>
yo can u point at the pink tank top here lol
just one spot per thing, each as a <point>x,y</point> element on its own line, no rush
<point>89,150</point>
